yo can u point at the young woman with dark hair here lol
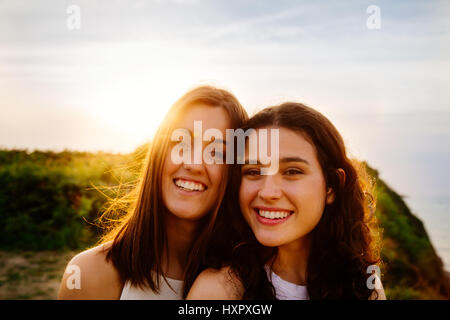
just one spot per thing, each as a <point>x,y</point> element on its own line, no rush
<point>305,232</point>
<point>161,240</point>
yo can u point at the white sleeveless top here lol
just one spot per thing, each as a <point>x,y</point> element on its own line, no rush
<point>165,292</point>
<point>287,290</point>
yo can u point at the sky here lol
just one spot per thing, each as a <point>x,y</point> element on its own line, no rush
<point>107,85</point>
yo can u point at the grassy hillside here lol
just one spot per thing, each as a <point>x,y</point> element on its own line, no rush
<point>412,269</point>
<point>51,201</point>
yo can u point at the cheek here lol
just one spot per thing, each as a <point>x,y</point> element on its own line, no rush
<point>169,167</point>
<point>167,171</point>
<point>247,192</point>
<point>244,201</point>
<point>242,196</point>
<point>309,196</point>
<point>216,174</point>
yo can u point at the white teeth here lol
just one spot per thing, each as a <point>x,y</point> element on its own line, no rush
<point>273,214</point>
<point>189,185</point>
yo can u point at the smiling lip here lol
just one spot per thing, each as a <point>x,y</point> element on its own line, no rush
<point>189,186</point>
<point>268,221</point>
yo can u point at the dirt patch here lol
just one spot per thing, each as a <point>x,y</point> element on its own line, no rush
<point>32,275</point>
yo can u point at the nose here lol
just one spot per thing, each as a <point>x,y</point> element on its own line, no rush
<point>270,189</point>
<point>193,168</point>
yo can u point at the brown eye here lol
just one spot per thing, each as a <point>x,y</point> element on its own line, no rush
<point>293,172</point>
<point>252,172</point>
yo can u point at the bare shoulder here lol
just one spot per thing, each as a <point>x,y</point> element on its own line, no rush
<point>89,276</point>
<point>378,294</point>
<point>212,284</point>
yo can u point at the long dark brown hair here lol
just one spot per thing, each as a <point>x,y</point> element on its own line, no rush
<point>139,238</point>
<point>345,241</point>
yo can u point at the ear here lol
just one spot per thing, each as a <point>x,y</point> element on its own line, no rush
<point>342,176</point>
<point>331,196</point>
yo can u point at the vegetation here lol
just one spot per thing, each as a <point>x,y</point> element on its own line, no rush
<point>412,269</point>
<point>52,201</point>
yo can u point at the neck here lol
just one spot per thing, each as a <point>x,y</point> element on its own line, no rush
<point>291,261</point>
<point>181,234</point>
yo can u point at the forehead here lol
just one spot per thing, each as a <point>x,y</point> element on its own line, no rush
<point>210,116</point>
<point>295,143</point>
<point>290,144</point>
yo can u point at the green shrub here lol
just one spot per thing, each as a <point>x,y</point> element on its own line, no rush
<point>48,200</point>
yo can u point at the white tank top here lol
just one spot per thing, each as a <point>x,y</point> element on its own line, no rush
<point>165,292</point>
<point>287,290</point>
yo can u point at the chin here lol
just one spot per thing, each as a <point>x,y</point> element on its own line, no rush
<point>269,241</point>
<point>188,214</point>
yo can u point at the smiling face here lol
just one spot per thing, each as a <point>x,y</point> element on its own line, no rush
<point>190,191</point>
<point>284,207</point>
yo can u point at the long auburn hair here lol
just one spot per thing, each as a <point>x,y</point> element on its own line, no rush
<point>346,239</point>
<point>139,237</point>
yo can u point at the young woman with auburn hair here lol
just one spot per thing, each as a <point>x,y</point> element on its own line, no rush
<point>305,232</point>
<point>163,236</point>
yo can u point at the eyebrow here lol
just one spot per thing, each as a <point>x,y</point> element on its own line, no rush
<point>294,159</point>
<point>283,160</point>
